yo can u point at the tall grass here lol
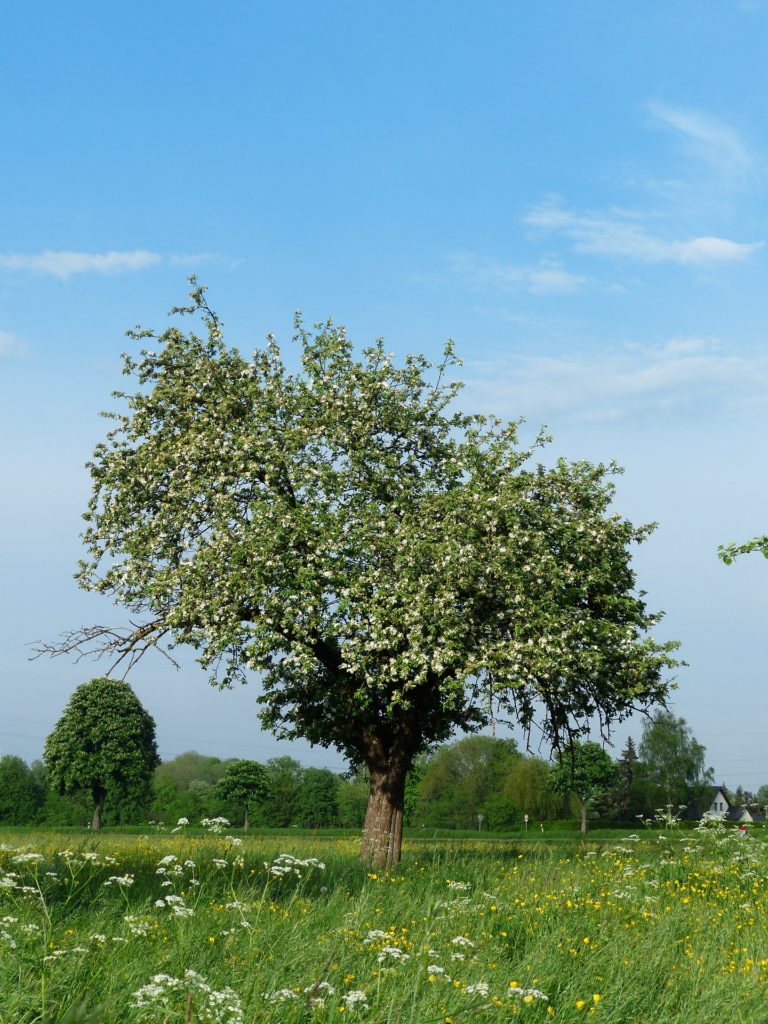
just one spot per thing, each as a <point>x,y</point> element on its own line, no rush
<point>659,928</point>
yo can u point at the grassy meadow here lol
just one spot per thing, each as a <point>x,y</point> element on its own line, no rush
<point>113,929</point>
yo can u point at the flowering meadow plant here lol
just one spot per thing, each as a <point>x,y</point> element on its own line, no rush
<point>169,1000</point>
<point>652,927</point>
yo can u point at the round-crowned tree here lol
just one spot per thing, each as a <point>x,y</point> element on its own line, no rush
<point>104,743</point>
<point>393,569</point>
<point>585,770</point>
<point>246,784</point>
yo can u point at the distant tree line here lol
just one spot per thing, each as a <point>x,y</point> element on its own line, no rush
<point>191,786</point>
<point>477,782</point>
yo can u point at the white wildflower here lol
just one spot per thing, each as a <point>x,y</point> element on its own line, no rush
<point>392,953</point>
<point>318,987</point>
<point>126,880</point>
<point>215,825</point>
<point>165,992</point>
<point>137,925</point>
<point>356,997</point>
<point>528,994</point>
<point>282,995</point>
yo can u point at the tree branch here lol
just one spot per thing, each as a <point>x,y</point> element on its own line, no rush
<point>125,643</point>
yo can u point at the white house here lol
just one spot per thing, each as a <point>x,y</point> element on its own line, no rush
<point>721,807</point>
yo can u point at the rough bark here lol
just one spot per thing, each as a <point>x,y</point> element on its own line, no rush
<point>98,804</point>
<point>383,828</point>
<point>388,754</point>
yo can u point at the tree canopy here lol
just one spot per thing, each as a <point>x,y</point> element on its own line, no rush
<point>392,568</point>
<point>246,783</point>
<point>585,770</point>
<point>103,743</point>
<point>285,776</point>
<point>460,778</point>
<point>673,759</point>
<point>21,794</point>
<point>189,766</point>
<point>526,790</point>
<point>318,802</point>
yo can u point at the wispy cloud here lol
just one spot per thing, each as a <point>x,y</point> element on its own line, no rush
<point>64,263</point>
<point>543,278</point>
<point>198,259</point>
<point>686,374</point>
<point>620,233</point>
<point>705,137</point>
<point>10,346</point>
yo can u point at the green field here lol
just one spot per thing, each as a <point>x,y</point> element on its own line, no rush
<point>668,926</point>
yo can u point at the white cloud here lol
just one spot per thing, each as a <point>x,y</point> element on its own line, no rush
<point>619,233</point>
<point>10,345</point>
<point>543,278</point>
<point>195,259</point>
<point>64,263</point>
<point>686,374</point>
<point>705,137</point>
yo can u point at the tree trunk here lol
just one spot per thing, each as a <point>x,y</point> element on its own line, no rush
<point>383,829</point>
<point>245,822</point>
<point>583,816</point>
<point>99,794</point>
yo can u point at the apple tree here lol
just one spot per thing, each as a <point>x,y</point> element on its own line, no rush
<point>728,553</point>
<point>389,568</point>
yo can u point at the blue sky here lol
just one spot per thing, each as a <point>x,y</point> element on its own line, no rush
<point>575,193</point>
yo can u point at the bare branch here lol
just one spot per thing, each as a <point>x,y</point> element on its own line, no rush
<point>125,644</point>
